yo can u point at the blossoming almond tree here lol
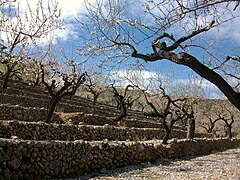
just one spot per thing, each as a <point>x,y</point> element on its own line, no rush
<point>170,30</point>
<point>62,79</point>
<point>21,28</point>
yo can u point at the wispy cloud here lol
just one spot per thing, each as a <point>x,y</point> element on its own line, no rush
<point>199,87</point>
<point>70,9</point>
<point>185,86</point>
<point>141,78</point>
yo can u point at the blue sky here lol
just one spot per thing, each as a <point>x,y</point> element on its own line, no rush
<point>228,36</point>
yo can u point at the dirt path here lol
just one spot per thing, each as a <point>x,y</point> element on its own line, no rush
<point>217,166</point>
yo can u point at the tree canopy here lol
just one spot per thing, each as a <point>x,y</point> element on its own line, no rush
<point>190,33</point>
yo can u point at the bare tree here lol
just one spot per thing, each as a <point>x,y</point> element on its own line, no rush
<point>13,70</point>
<point>32,73</point>
<point>228,118</point>
<point>209,126</point>
<point>187,23</point>
<point>122,101</point>
<point>217,117</point>
<point>67,86</point>
<point>94,87</point>
<point>170,110</point>
<point>20,31</point>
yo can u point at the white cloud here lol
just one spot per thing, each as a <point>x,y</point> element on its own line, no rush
<point>141,78</point>
<point>229,30</point>
<point>200,87</point>
<point>138,74</point>
<point>69,9</point>
<point>151,79</point>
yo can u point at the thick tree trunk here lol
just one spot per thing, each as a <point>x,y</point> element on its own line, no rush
<point>213,77</point>
<point>6,80</point>
<point>229,131</point>
<point>51,108</point>
<point>95,97</point>
<point>190,128</point>
<point>198,67</point>
<point>167,132</point>
<point>166,136</point>
<point>122,114</point>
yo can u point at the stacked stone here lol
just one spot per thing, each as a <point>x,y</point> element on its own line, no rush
<point>25,159</point>
<point>70,132</point>
<point>39,98</point>
<point>141,123</point>
<point>8,111</point>
<point>23,101</point>
<point>42,159</point>
<point>35,93</point>
<point>90,119</point>
<point>95,119</point>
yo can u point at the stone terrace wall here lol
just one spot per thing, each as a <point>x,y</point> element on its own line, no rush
<point>93,119</point>
<point>24,159</point>
<point>76,104</point>
<point>67,106</point>
<point>18,85</point>
<point>38,103</point>
<point>9,112</point>
<point>99,108</point>
<point>69,132</point>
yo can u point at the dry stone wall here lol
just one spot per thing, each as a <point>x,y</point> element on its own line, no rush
<point>70,132</point>
<point>38,103</point>
<point>9,112</point>
<point>101,109</point>
<point>94,119</point>
<point>35,114</point>
<point>25,159</point>
<point>16,96</point>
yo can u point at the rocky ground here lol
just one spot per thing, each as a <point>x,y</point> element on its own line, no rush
<point>218,165</point>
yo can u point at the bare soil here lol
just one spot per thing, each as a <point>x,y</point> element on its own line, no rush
<point>219,165</point>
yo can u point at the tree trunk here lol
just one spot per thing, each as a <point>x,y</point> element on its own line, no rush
<point>229,131</point>
<point>95,97</point>
<point>167,132</point>
<point>51,109</point>
<point>166,136</point>
<point>6,80</point>
<point>122,114</point>
<point>213,77</point>
<point>191,128</point>
<point>123,109</point>
<point>202,70</point>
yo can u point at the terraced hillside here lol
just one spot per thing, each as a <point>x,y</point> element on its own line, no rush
<point>81,138</point>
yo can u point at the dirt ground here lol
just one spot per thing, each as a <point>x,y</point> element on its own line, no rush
<point>216,166</point>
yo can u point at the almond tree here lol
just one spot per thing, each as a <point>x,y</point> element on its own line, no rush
<point>209,126</point>
<point>94,86</point>
<point>20,30</point>
<point>170,30</point>
<point>122,101</point>
<point>169,111</point>
<point>62,84</point>
<point>227,116</point>
<point>218,117</point>
<point>32,73</point>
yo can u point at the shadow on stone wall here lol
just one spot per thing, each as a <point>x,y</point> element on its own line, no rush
<point>28,159</point>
